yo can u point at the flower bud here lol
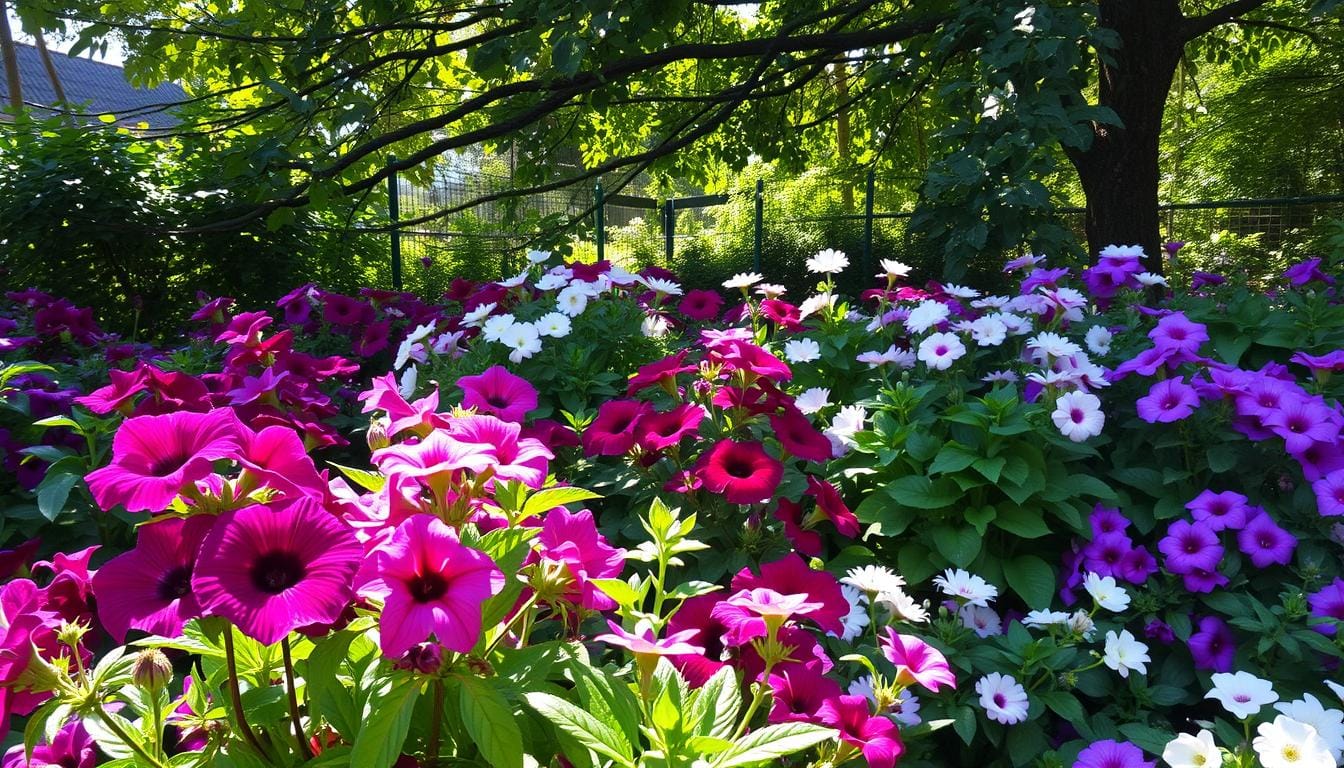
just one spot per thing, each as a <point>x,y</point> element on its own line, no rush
<point>425,658</point>
<point>151,670</point>
<point>377,436</point>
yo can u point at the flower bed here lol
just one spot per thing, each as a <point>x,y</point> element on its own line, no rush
<point>582,516</point>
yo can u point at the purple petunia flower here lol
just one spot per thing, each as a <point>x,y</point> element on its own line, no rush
<point>1301,421</point>
<point>1167,401</point>
<point>1203,581</point>
<point>1176,331</point>
<point>1160,631</point>
<point>1330,494</point>
<point>1190,546</point>
<point>1213,646</point>
<point>1137,565</point>
<point>1107,520</point>
<point>1328,603</point>
<point>1265,542</point>
<point>1200,279</point>
<point>1105,552</point>
<point>1306,271</point>
<point>1110,753</point>
<point>1219,511</point>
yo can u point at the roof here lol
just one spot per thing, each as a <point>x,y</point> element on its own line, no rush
<point>95,87</point>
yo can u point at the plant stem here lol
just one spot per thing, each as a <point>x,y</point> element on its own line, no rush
<point>757,696</point>
<point>432,751</point>
<point>294,700</point>
<point>235,695</point>
<point>520,613</point>
<point>133,744</point>
<point>157,710</point>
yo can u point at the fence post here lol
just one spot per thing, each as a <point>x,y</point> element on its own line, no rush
<point>669,230</point>
<point>394,214</point>
<point>760,225</point>
<point>868,222</point>
<point>599,222</point>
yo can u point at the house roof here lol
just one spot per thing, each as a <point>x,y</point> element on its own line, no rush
<point>94,87</point>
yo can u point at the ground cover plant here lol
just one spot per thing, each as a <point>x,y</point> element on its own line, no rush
<point>587,517</point>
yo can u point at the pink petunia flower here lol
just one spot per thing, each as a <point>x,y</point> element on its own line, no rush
<point>790,575</point>
<point>798,693</point>
<point>572,538</point>
<point>701,304</point>
<point>831,506</point>
<point>742,471</point>
<point>124,386</point>
<point>149,587</point>
<point>658,431</point>
<point>155,457</point>
<point>917,662</point>
<point>498,392</point>
<point>430,583</point>
<point>873,735</point>
<point>1168,400</point>
<point>612,432</point>
<point>749,614</point>
<point>71,747</point>
<point>524,459</point>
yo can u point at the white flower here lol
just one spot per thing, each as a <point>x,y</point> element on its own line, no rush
<point>1122,252</point>
<point>988,331</point>
<point>655,326</point>
<point>538,257</point>
<point>813,304</point>
<point>1241,693</point>
<point>420,333</point>
<point>1078,416</point>
<point>857,618</point>
<point>1106,592</point>
<point>1329,723</point>
<point>409,377</point>
<point>1124,653</point>
<point>802,350</point>
<point>960,291</point>
<point>572,300</point>
<point>843,428</point>
<point>1098,339</point>
<point>495,327</point>
<point>742,280</point>
<point>1004,699</point>
<point>1150,279</point>
<point>893,269</point>
<point>523,339</point>
<point>448,344</point>
<point>940,350</point>
<point>771,290</point>
<point>1336,688</point>
<point>1016,324</point>
<point>551,282</point>
<point>926,315</point>
<point>990,302</point>
<point>1286,743</point>
<point>618,275</point>
<point>1081,624</point>
<point>560,270</point>
<point>903,358</point>
<point>477,315</point>
<point>1198,751</point>
<point>994,376</point>
<point>659,285</point>
<point>813,400</point>
<point>828,262</point>
<point>984,621</point>
<point>966,586</point>
<point>513,282</point>
<point>554,324</point>
<point>873,579</point>
<point>1046,346</point>
<point>902,606</point>
<point>1045,618</point>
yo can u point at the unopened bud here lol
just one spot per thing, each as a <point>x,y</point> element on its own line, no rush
<point>151,670</point>
<point>425,658</point>
<point>377,436</point>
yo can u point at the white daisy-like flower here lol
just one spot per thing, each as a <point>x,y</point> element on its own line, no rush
<point>1122,252</point>
<point>494,328</point>
<point>925,315</point>
<point>940,350</point>
<point>1286,743</point>
<point>991,302</point>
<point>1106,592</point>
<point>902,606</point>
<point>982,620</point>
<point>1003,698</point>
<point>1124,653</point>
<point>813,400</point>
<point>1149,279</point>
<point>966,586</point>
<point>560,270</point>
<point>994,376</point>
<point>828,262</point>
<point>476,316</point>
<point>1047,346</point>
<point>1078,416</point>
<point>1031,303</point>
<point>742,280</point>
<point>1017,325</point>
<point>1098,339</point>
<point>659,285</point>
<point>1045,618</point>
<point>960,291</point>
<point>554,324</point>
<point>905,710</point>
<point>893,269</point>
<point>572,300</point>
<point>1336,688</point>
<point>538,257</point>
<point>988,331</point>
<point>619,275</point>
<point>1084,373</point>
<point>551,282</point>
<point>901,358</point>
<point>522,339</point>
<point>847,423</point>
<point>412,340</point>
<point>1329,723</point>
<point>655,326</point>
<point>1198,751</point>
<point>409,378</point>
<point>857,619</point>
<point>802,350</point>
<point>515,281</point>
<point>873,579</point>
<point>813,304</point>
<point>771,290</point>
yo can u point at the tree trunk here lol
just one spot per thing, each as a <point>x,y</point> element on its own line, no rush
<point>50,66</point>
<point>1119,171</point>
<point>11,60</point>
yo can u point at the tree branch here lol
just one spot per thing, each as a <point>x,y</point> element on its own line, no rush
<point>1197,25</point>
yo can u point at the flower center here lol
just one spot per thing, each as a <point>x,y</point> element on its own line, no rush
<point>167,464</point>
<point>175,583</point>
<point>427,587</point>
<point>1000,700</point>
<point>1291,753</point>
<point>274,572</point>
<point>497,401</point>
<point>1241,698</point>
<point>1076,415</point>
<point>738,468</point>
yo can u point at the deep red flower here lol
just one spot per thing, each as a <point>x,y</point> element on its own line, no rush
<point>832,506</point>
<point>656,431</point>
<point>612,433</point>
<point>799,437</point>
<point>804,540</point>
<point>659,372</point>
<point>782,313</point>
<point>798,693</point>
<point>742,471</point>
<point>701,304</point>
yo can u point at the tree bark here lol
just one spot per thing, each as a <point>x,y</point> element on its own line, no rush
<point>50,66</point>
<point>11,60</point>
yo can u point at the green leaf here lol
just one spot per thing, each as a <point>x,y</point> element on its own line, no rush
<point>583,727</point>
<point>385,721</point>
<point>1027,522</point>
<point>1065,705</point>
<point>920,492</point>
<point>1221,457</point>
<point>980,517</point>
<point>489,720</point>
<point>953,457</point>
<point>959,545</point>
<point>1147,737</point>
<point>963,722</point>
<point>618,590</point>
<point>53,492</point>
<point>716,705</point>
<point>369,481</point>
<point>771,743</point>
<point>1032,579</point>
<point>544,501</point>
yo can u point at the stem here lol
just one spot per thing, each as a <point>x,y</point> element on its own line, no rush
<point>133,744</point>
<point>235,695</point>
<point>432,751</point>
<point>521,612</point>
<point>294,700</point>
<point>757,696</point>
<point>157,711</point>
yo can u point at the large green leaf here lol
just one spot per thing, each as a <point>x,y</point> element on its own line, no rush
<point>385,721</point>
<point>771,743</point>
<point>583,727</point>
<point>920,492</point>
<point>489,720</point>
<point>1032,579</point>
<point>544,501</point>
<point>716,705</point>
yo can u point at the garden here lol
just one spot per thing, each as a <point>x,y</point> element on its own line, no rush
<point>976,465</point>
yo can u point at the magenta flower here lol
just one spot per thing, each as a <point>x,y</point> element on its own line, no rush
<point>875,736</point>
<point>517,458</point>
<point>430,583</point>
<point>124,386</point>
<point>659,373</point>
<point>72,747</point>
<point>790,575</point>
<point>277,457</point>
<point>1191,546</point>
<point>917,661</point>
<point>797,435</point>
<point>1265,542</point>
<point>572,538</point>
<point>643,643</point>
<point>798,692</point>
<point>1330,494</point>
<point>657,431</point>
<point>1168,400</point>
<point>23,626</point>
<point>155,457</point>
<point>749,613</point>
<point>1213,646</point>
<point>271,570</point>
<point>741,355</point>
<point>695,616</point>
<point>804,540</point>
<point>700,304</point>
<point>1328,603</point>
<point>831,506</point>
<point>435,461</point>
<point>1110,753</point>
<point>613,432</point>
<point>498,392</point>
<point>1176,331</point>
<point>740,470</point>
<point>1227,510</point>
<point>149,588</point>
